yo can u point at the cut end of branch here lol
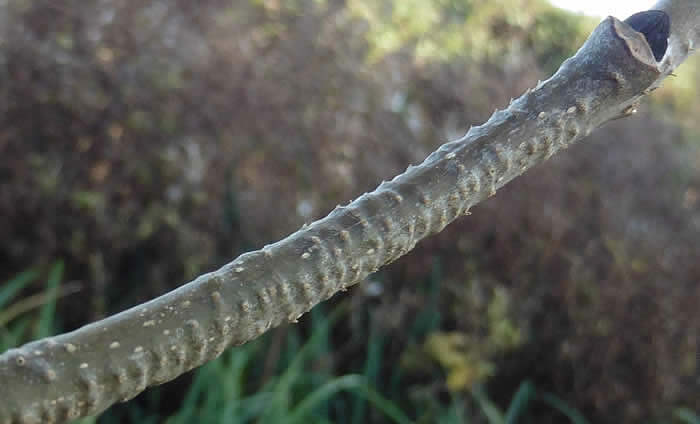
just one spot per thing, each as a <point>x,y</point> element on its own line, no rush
<point>635,41</point>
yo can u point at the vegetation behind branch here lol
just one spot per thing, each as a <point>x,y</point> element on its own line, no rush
<point>144,143</point>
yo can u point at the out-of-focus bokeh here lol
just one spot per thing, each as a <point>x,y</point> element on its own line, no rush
<point>145,142</point>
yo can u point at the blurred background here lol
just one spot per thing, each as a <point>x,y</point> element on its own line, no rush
<point>144,143</point>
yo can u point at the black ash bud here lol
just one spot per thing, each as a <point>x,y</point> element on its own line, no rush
<point>656,26</point>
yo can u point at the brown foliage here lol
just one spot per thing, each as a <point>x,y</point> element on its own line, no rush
<point>146,142</point>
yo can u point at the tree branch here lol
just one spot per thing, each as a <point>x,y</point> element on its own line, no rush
<point>85,371</point>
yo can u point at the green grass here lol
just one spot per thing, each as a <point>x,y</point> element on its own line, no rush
<point>282,378</point>
<point>228,390</point>
<point>686,416</point>
<point>32,317</point>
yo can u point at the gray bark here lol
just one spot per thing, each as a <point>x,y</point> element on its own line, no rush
<point>85,371</point>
